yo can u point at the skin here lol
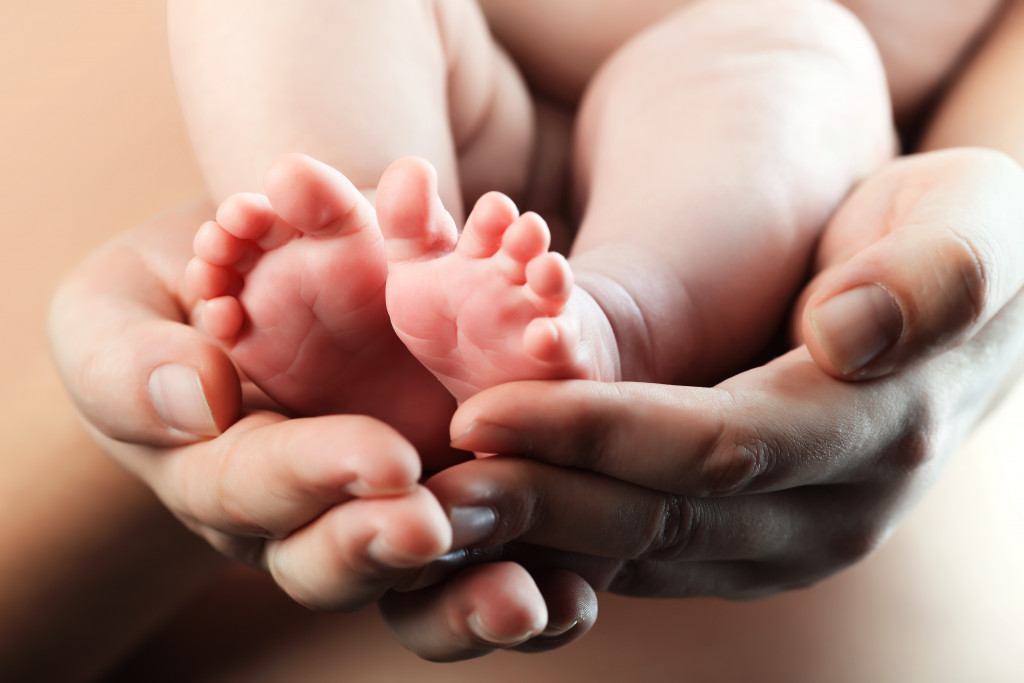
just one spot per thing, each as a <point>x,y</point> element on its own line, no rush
<point>728,471</point>
<point>146,426</point>
<point>292,294</point>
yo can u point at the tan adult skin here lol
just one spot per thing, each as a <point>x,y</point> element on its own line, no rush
<point>457,643</point>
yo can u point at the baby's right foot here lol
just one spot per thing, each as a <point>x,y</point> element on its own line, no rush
<point>294,283</point>
<point>492,305</point>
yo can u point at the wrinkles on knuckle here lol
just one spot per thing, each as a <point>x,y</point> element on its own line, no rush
<point>737,461</point>
<point>673,532</point>
<point>226,502</point>
<point>96,371</point>
<point>969,281</point>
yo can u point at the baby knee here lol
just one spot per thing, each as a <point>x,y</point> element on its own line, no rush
<point>827,28</point>
<point>822,27</point>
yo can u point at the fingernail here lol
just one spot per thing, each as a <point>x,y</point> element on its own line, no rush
<point>470,525</point>
<point>857,326</point>
<point>483,632</point>
<point>486,437</point>
<point>553,631</point>
<point>178,397</point>
<point>361,488</point>
<point>383,552</point>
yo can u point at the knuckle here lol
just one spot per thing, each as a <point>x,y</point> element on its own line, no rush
<point>673,531</point>
<point>737,461</point>
<point>965,278</point>
<point>916,451</point>
<point>228,506</point>
<point>913,450</point>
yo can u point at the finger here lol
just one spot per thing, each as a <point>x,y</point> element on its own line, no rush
<point>267,476</point>
<point>783,425</point>
<point>572,610</point>
<point>916,261</point>
<point>481,609</point>
<point>352,554</point>
<point>827,529</point>
<point>135,369</point>
<point>561,508</point>
<point>659,545</point>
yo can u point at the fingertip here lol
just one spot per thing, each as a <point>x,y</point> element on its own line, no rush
<point>572,610</point>
<point>480,609</point>
<point>419,533</point>
<point>507,607</point>
<point>386,462</point>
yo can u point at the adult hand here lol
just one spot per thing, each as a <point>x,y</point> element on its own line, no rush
<point>917,261</point>
<point>330,506</point>
<point>784,474</point>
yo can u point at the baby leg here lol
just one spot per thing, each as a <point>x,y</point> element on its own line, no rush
<point>297,276</point>
<point>710,151</point>
<point>489,306</point>
<point>354,84</point>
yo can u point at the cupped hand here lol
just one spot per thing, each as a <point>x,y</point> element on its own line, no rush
<point>916,262</point>
<point>784,474</point>
<point>331,507</point>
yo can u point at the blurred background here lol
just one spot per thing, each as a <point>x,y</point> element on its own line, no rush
<point>91,142</point>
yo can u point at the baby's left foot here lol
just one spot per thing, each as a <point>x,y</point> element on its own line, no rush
<point>492,305</point>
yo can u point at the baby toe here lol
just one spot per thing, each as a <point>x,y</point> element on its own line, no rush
<point>526,238</point>
<point>486,225</point>
<point>217,246</point>
<point>204,280</point>
<point>551,341</point>
<point>549,282</point>
<point>246,215</point>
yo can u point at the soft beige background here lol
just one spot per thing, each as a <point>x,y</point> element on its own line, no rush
<point>91,142</point>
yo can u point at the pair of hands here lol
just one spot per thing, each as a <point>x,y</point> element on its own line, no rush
<point>775,478</point>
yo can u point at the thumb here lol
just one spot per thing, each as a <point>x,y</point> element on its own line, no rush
<point>136,371</point>
<point>916,261</point>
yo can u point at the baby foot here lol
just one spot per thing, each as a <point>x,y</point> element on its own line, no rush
<point>492,305</point>
<point>294,283</point>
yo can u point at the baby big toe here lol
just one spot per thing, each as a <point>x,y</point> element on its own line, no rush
<point>316,198</point>
<point>415,224</point>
